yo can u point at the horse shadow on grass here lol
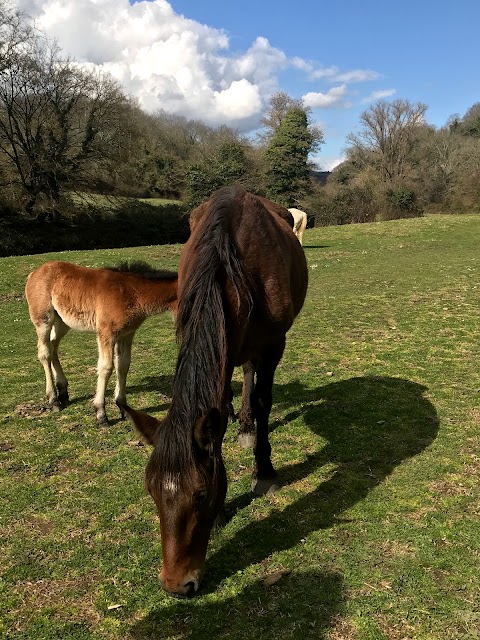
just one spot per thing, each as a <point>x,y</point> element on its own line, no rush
<point>371,425</point>
<point>162,385</point>
<point>304,604</point>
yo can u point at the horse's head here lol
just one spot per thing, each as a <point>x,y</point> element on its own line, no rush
<point>189,488</point>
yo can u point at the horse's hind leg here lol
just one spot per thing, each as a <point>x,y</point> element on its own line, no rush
<point>246,432</point>
<point>264,475</point>
<point>43,330</point>
<point>122,357</point>
<point>59,330</point>
<point>105,368</point>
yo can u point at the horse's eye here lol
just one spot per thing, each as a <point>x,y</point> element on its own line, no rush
<point>199,497</point>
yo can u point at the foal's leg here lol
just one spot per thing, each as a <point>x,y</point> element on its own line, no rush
<point>264,475</point>
<point>59,330</point>
<point>246,432</point>
<point>45,356</point>
<point>123,357</point>
<point>105,368</point>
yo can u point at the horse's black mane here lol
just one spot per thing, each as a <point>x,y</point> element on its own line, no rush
<point>202,332</point>
<point>143,269</point>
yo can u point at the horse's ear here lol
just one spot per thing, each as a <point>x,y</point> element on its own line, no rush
<point>146,425</point>
<point>208,431</point>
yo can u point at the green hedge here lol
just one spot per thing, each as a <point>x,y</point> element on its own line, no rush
<point>131,224</point>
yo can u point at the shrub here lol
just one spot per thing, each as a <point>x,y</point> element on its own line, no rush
<point>132,223</point>
<point>401,202</point>
<point>344,205</point>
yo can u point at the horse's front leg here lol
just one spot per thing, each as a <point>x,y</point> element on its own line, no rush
<point>123,358</point>
<point>59,330</point>
<point>105,368</point>
<point>246,432</point>
<point>264,477</point>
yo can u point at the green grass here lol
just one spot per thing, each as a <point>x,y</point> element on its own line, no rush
<point>375,433</point>
<point>107,202</point>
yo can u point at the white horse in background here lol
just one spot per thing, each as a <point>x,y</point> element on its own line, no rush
<point>299,223</point>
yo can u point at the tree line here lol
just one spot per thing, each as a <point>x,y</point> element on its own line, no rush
<point>398,165</point>
<point>67,129</point>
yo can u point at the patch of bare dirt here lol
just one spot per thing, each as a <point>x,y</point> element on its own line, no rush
<point>39,524</point>
<point>32,409</point>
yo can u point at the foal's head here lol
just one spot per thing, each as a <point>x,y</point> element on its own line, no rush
<point>188,483</point>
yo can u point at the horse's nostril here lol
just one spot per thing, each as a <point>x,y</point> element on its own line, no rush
<point>190,587</point>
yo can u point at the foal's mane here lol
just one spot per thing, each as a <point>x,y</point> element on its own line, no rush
<point>144,270</point>
<point>202,329</point>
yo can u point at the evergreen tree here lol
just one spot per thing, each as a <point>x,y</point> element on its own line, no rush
<point>286,158</point>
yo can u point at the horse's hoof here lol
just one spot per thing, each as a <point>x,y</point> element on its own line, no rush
<point>56,406</point>
<point>103,421</point>
<point>220,520</point>
<point>232,417</point>
<point>264,486</point>
<point>120,404</point>
<point>246,440</point>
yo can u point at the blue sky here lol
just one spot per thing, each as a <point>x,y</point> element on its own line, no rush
<point>427,51</point>
<point>220,61</point>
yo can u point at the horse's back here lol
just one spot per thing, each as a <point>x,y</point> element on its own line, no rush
<point>271,257</point>
<point>272,249</point>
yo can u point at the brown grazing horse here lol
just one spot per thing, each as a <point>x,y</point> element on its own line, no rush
<point>242,280</point>
<point>113,302</point>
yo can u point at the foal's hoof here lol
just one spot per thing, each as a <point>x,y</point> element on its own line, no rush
<point>246,440</point>
<point>264,486</point>
<point>103,421</point>
<point>63,399</point>
<point>56,405</point>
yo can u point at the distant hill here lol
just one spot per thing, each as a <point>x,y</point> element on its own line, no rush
<point>320,176</point>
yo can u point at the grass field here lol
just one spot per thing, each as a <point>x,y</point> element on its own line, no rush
<point>375,532</point>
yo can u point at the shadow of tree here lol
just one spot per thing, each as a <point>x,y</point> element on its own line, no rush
<point>371,424</point>
<point>303,604</point>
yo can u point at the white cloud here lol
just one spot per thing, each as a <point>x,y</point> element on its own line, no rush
<point>318,100</point>
<point>329,163</point>
<point>377,95</point>
<point>170,62</point>
<point>357,75</point>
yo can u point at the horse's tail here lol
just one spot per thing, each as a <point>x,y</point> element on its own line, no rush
<point>201,327</point>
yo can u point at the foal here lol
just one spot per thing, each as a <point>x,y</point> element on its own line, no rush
<point>113,302</point>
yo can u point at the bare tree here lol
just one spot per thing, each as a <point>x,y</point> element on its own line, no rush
<point>388,130</point>
<point>280,104</point>
<point>60,124</point>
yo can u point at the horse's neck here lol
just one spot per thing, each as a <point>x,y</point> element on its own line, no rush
<point>202,380</point>
<point>155,296</point>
